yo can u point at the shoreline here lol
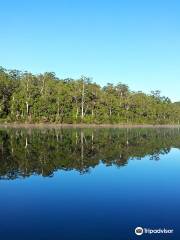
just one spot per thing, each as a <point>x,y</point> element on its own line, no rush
<point>79,125</point>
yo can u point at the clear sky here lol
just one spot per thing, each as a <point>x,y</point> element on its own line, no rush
<point>136,42</point>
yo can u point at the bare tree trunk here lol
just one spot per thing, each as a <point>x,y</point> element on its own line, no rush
<point>110,112</point>
<point>27,108</point>
<point>27,89</point>
<point>82,102</point>
<point>58,108</point>
<point>42,89</point>
<point>77,112</point>
<point>85,110</point>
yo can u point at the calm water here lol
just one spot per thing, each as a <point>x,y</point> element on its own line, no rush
<point>89,183</point>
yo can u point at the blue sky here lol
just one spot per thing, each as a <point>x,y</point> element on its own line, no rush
<point>136,42</point>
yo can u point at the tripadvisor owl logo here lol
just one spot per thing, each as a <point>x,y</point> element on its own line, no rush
<point>139,231</point>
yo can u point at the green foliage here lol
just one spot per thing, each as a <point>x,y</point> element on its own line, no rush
<point>25,97</point>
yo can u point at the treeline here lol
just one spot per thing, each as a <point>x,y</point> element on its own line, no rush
<point>25,97</point>
<point>26,152</point>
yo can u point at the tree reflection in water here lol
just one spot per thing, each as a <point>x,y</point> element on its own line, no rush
<point>26,152</point>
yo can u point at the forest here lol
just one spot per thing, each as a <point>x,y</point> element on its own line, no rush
<point>44,98</point>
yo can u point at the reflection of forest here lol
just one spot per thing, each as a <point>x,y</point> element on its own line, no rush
<point>26,152</point>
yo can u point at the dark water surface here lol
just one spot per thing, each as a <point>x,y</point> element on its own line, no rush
<point>89,183</point>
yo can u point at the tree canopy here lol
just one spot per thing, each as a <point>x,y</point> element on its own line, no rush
<point>26,97</point>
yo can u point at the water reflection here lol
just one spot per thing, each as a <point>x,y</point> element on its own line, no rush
<point>25,152</point>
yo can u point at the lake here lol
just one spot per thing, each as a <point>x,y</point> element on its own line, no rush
<point>89,183</point>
